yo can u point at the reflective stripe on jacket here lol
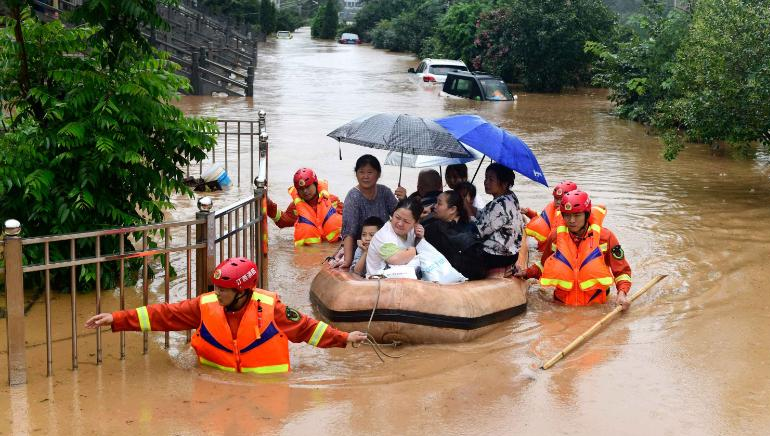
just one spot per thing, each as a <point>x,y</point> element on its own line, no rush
<point>318,224</point>
<point>260,346</point>
<point>579,273</point>
<point>539,227</point>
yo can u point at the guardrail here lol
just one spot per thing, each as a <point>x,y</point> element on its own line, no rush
<point>239,229</point>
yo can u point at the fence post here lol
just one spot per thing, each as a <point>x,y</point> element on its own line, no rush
<point>249,81</point>
<point>254,55</point>
<point>195,74</point>
<point>14,301</point>
<point>205,258</point>
<point>261,193</point>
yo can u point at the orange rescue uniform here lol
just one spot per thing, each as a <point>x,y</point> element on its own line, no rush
<point>615,263</point>
<point>313,221</point>
<point>252,339</point>
<point>539,226</point>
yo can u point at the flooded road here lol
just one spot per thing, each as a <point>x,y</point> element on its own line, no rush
<point>690,357</point>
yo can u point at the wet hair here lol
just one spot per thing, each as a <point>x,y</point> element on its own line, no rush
<point>453,199</point>
<point>430,180</point>
<point>465,188</point>
<point>373,221</point>
<point>414,205</point>
<point>504,174</point>
<point>370,160</point>
<point>459,169</point>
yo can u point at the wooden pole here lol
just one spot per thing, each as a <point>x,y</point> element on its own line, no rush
<point>601,323</point>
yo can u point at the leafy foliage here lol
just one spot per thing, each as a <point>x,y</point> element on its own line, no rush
<point>374,12</point>
<point>638,69</point>
<point>411,29</point>
<point>288,19</point>
<point>90,136</point>
<point>540,42</point>
<point>703,78</point>
<point>326,20</point>
<point>455,32</point>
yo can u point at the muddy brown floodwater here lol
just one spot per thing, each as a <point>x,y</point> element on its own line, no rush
<point>691,356</point>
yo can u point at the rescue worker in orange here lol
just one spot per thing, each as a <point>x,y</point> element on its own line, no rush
<point>240,328</point>
<point>582,259</point>
<point>539,226</point>
<point>315,213</point>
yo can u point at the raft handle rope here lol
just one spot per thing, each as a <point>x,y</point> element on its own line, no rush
<point>370,339</point>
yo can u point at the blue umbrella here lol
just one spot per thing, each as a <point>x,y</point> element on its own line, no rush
<point>497,143</point>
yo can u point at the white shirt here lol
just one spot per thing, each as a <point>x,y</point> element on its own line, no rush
<point>385,243</point>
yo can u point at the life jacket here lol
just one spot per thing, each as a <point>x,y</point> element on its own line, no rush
<point>259,347</point>
<point>578,272</point>
<point>315,225</point>
<point>539,227</point>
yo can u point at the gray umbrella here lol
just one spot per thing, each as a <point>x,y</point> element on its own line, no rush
<point>406,134</point>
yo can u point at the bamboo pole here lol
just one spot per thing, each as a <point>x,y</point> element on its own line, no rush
<point>601,323</point>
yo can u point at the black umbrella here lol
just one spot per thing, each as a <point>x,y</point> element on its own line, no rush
<point>403,133</point>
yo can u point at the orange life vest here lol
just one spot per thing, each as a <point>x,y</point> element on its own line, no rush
<point>260,347</point>
<point>539,227</point>
<point>315,225</point>
<point>578,272</point>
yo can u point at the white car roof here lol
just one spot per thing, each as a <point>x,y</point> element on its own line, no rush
<point>444,61</point>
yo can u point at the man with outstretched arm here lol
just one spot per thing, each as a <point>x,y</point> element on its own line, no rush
<point>240,328</point>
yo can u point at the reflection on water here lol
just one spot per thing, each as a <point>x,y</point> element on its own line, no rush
<point>691,356</point>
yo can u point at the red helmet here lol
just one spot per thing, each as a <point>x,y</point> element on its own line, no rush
<point>563,188</point>
<point>304,177</point>
<point>237,273</point>
<point>575,202</point>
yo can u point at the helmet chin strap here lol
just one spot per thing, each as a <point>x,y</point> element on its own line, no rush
<point>234,305</point>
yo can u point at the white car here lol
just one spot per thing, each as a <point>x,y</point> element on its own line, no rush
<point>283,34</point>
<point>435,70</point>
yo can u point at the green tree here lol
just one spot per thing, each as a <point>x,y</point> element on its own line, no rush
<point>267,17</point>
<point>375,11</point>
<point>721,79</point>
<point>326,20</point>
<point>638,69</point>
<point>89,136</point>
<point>288,19</point>
<point>456,31</point>
<point>540,42</point>
<point>411,29</point>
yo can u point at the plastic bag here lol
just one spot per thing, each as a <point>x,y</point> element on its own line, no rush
<point>435,267</point>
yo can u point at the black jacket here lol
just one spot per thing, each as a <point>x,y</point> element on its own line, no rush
<point>459,243</point>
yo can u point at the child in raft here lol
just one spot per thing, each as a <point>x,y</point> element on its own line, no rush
<point>369,227</point>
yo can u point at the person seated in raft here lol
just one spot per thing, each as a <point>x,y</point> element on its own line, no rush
<point>395,243</point>
<point>539,226</point>
<point>367,198</point>
<point>467,192</point>
<point>429,186</point>
<point>500,223</point>
<point>315,213</point>
<point>239,328</point>
<point>582,259</point>
<point>450,232</point>
<point>457,174</point>
<point>369,228</point>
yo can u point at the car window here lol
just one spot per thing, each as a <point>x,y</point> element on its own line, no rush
<point>495,89</point>
<point>442,70</point>
<point>462,88</point>
<point>476,92</point>
<point>421,68</point>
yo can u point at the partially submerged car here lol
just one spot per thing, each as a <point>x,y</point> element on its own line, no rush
<point>435,70</point>
<point>284,34</point>
<point>349,38</point>
<point>476,85</point>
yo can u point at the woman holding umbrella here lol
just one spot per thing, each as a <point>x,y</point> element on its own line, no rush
<point>366,199</point>
<point>500,224</point>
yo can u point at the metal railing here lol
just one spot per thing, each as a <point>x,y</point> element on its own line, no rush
<point>237,138</point>
<point>239,229</point>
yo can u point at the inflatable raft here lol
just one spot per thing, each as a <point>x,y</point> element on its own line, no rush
<point>416,311</point>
